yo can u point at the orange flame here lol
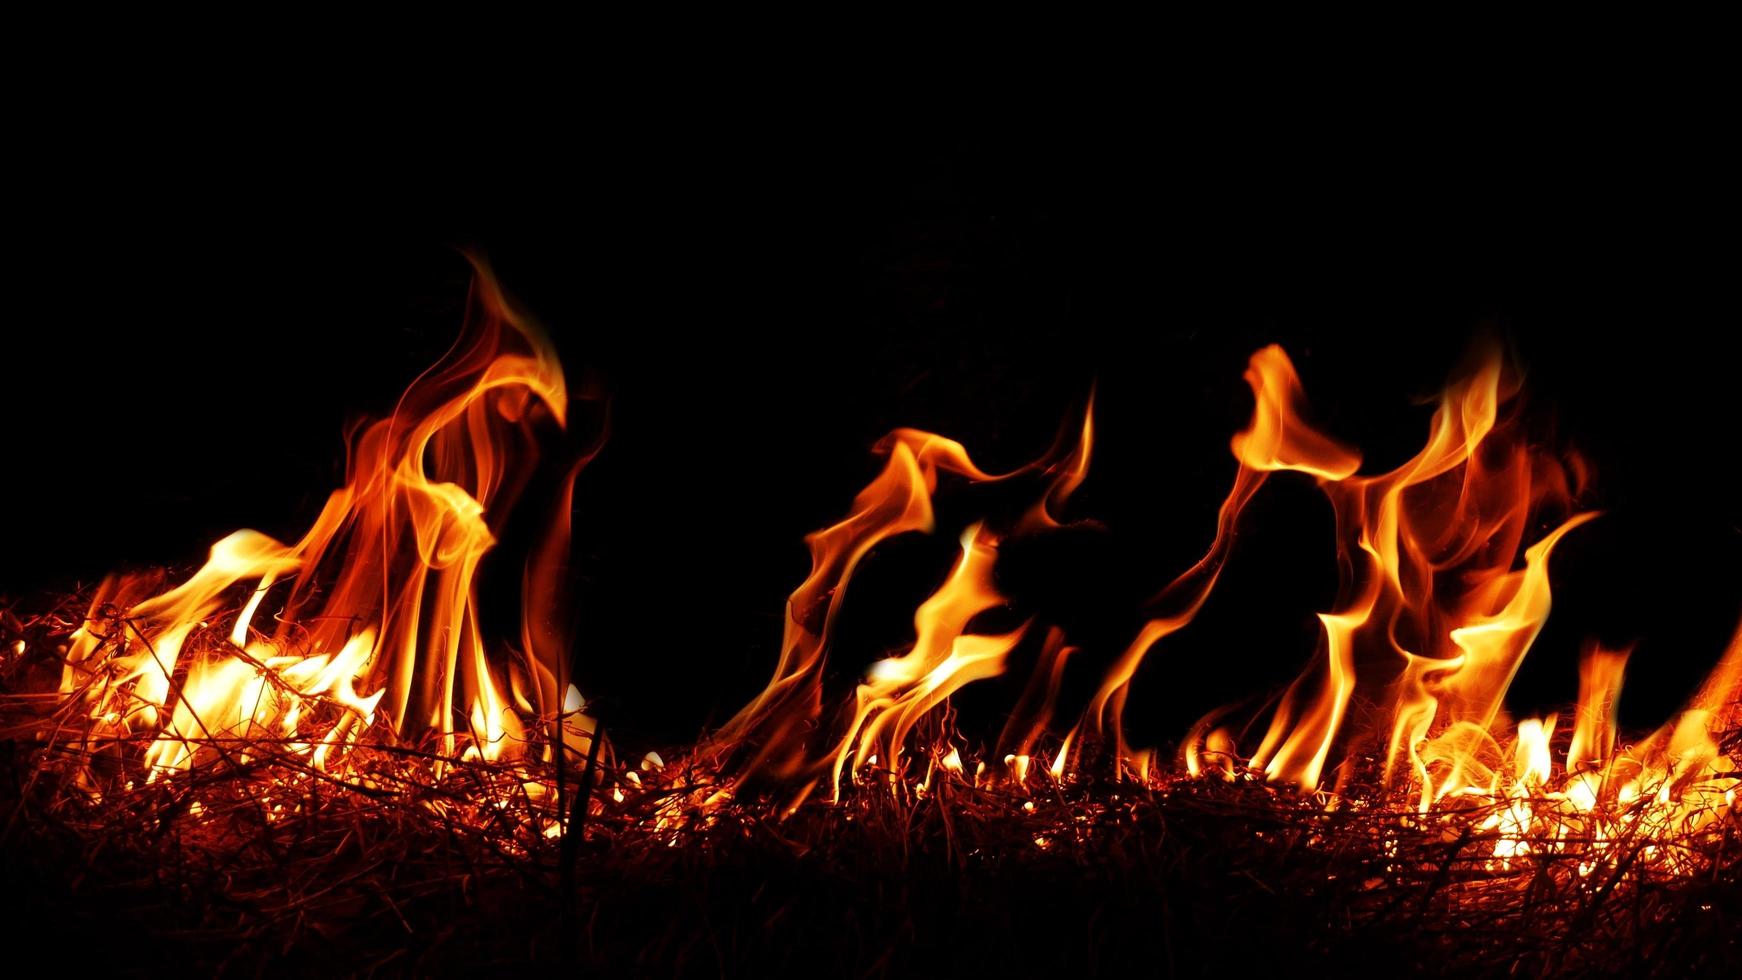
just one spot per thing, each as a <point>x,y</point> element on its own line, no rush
<point>901,690</point>
<point>778,722</point>
<point>377,597</point>
<point>1277,439</point>
<point>1599,696</point>
<point>1430,606</point>
<point>368,629</point>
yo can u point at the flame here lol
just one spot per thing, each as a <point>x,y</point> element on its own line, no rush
<point>1432,624</point>
<point>1034,710</point>
<point>373,628</point>
<point>897,501</point>
<point>1665,794</point>
<point>777,725</point>
<point>1277,439</point>
<point>901,690</point>
<point>1599,697</point>
<point>366,631</point>
<point>1430,608</point>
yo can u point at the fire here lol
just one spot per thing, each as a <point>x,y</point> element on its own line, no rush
<point>900,691</point>
<point>366,629</point>
<point>1434,621</point>
<point>363,639</point>
<point>1432,612</point>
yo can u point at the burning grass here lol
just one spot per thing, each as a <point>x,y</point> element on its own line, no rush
<point>308,756</point>
<point>411,862</point>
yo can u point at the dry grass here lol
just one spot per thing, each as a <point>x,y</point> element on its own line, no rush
<point>266,867</point>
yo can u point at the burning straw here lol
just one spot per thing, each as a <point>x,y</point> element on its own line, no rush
<point>245,859</point>
<point>309,750</point>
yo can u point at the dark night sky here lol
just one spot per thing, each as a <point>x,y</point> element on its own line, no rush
<point>194,313</point>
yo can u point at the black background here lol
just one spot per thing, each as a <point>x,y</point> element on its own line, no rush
<point>197,303</point>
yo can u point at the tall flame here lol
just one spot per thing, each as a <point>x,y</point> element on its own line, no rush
<point>1277,439</point>
<point>901,690</point>
<point>377,597</point>
<point>1431,612</point>
<point>779,721</point>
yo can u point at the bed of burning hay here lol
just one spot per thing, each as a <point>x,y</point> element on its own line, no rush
<point>266,865</point>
